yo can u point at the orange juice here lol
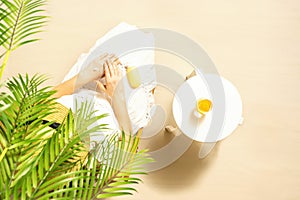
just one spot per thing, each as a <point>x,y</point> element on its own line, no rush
<point>203,106</point>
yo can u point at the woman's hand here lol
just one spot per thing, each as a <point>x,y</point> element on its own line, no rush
<point>113,75</point>
<point>93,71</point>
<point>115,90</point>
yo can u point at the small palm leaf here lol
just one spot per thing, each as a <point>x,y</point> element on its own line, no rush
<point>19,21</point>
<point>123,167</point>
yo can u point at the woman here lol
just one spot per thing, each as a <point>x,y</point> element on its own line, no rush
<point>106,72</point>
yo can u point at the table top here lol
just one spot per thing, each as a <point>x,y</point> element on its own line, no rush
<point>200,129</point>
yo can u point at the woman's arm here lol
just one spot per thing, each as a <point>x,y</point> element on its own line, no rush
<point>115,90</point>
<point>65,88</point>
<point>90,73</point>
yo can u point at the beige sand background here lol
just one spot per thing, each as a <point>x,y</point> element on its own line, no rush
<point>255,44</point>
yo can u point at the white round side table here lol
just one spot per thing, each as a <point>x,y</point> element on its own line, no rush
<point>184,104</point>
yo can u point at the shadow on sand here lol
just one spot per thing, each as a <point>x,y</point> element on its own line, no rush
<point>184,171</point>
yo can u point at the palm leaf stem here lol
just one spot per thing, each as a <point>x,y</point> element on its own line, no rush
<point>4,62</point>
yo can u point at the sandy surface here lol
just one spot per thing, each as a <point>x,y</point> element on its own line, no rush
<point>255,44</point>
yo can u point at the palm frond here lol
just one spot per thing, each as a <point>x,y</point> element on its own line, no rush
<point>21,127</point>
<point>20,20</point>
<point>122,169</point>
<point>37,162</point>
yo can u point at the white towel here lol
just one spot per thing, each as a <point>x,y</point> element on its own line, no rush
<point>136,58</point>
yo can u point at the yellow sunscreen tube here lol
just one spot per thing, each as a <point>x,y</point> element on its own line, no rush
<point>133,76</point>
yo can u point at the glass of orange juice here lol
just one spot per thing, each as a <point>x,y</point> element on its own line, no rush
<point>203,106</point>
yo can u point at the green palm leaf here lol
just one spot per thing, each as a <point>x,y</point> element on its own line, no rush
<point>37,162</point>
<point>19,21</point>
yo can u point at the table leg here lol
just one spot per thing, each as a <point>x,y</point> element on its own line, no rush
<point>174,130</point>
<point>205,149</point>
